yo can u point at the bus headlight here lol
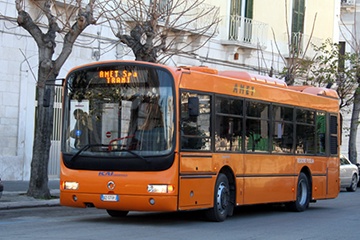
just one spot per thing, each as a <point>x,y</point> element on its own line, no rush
<point>71,185</point>
<point>161,188</point>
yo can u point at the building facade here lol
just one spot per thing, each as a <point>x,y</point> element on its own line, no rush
<point>349,40</point>
<point>257,36</point>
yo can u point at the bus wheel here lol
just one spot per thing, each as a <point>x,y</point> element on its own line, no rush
<point>221,207</point>
<point>302,195</point>
<point>116,213</point>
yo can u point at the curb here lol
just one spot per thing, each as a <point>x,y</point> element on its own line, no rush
<point>15,200</point>
<point>29,204</point>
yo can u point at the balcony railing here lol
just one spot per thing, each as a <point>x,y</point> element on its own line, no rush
<point>302,44</point>
<point>248,31</point>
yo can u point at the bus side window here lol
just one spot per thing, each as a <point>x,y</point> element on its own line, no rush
<point>305,131</point>
<point>282,129</point>
<point>257,127</point>
<point>195,123</point>
<point>228,124</point>
<point>321,132</point>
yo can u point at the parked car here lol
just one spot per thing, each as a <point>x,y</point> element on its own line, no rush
<point>1,188</point>
<point>349,174</point>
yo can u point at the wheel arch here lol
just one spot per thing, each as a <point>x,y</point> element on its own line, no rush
<point>232,182</point>
<point>229,174</point>
<point>308,174</point>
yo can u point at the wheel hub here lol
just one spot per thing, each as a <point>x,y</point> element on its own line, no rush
<point>222,197</point>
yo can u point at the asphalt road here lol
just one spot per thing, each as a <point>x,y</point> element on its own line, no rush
<point>328,219</point>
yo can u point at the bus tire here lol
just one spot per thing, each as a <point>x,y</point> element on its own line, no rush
<point>222,205</point>
<point>302,196</point>
<point>116,213</point>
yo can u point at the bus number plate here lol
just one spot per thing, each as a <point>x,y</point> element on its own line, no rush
<point>109,198</point>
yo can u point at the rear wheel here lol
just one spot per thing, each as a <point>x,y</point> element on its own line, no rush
<point>116,213</point>
<point>353,185</point>
<point>302,195</point>
<point>222,205</point>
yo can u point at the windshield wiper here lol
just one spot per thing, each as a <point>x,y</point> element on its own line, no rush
<point>86,147</point>
<point>133,153</point>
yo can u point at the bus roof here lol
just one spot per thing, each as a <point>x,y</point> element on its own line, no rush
<point>237,75</point>
<point>326,92</point>
<point>266,80</point>
<point>254,78</point>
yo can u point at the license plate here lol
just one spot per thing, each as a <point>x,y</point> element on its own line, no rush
<point>109,198</point>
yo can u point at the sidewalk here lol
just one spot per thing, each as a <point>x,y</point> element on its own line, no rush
<point>14,195</point>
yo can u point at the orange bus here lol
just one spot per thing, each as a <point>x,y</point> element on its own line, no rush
<point>139,136</point>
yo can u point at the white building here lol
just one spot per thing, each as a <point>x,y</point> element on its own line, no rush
<point>253,36</point>
<point>350,40</point>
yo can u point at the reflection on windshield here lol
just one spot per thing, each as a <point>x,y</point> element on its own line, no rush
<point>132,115</point>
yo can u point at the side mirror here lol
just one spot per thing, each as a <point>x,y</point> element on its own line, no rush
<point>193,106</point>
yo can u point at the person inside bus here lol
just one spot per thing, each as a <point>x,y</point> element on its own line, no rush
<point>149,133</point>
<point>81,129</point>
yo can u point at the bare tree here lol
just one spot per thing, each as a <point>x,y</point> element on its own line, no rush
<point>354,63</point>
<point>325,69</point>
<point>160,29</point>
<point>297,51</point>
<point>68,19</point>
<point>330,67</point>
<point>354,123</point>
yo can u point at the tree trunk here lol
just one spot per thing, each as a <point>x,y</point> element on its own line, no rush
<point>38,185</point>
<point>48,71</point>
<point>354,126</point>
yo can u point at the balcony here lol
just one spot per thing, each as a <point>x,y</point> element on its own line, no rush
<point>247,33</point>
<point>302,45</point>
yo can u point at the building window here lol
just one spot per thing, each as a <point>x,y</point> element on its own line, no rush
<point>241,13</point>
<point>297,26</point>
<point>163,6</point>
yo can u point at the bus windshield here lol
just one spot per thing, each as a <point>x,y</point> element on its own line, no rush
<point>118,110</point>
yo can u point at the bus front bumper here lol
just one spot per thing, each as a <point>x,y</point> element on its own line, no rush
<point>119,202</point>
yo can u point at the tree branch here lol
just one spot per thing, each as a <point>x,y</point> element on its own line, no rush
<point>85,18</point>
<point>24,20</point>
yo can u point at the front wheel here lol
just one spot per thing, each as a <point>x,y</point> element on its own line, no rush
<point>353,185</point>
<point>221,208</point>
<point>116,213</point>
<point>302,194</point>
